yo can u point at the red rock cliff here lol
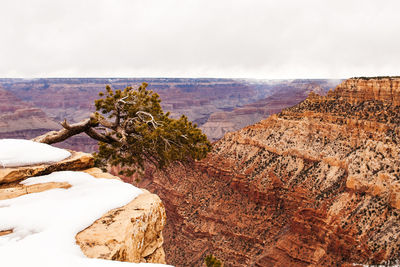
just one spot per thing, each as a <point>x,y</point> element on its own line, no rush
<point>316,185</point>
<point>357,90</point>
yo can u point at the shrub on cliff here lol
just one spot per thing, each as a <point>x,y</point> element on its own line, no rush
<point>212,261</point>
<point>132,129</point>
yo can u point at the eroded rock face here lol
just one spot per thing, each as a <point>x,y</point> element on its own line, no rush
<point>131,233</point>
<point>315,185</point>
<point>362,89</point>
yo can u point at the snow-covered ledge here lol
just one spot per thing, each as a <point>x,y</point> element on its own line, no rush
<point>20,159</point>
<point>19,152</point>
<point>57,219</point>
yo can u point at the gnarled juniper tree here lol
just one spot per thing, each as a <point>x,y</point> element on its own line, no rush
<point>132,129</point>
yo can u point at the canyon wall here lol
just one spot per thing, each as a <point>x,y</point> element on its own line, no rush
<point>363,89</point>
<point>315,185</point>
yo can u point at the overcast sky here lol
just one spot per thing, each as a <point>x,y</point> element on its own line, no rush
<point>199,38</point>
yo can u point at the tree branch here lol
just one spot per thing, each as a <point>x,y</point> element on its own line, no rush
<point>68,131</point>
<point>151,120</point>
<point>99,136</point>
<point>88,126</point>
<point>135,131</point>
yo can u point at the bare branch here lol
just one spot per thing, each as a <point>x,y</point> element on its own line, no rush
<point>68,131</point>
<point>117,107</point>
<point>122,100</point>
<point>152,120</point>
<point>65,124</point>
<point>88,126</point>
<point>100,137</point>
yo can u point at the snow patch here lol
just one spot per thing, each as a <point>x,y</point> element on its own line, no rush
<point>19,152</point>
<point>45,223</point>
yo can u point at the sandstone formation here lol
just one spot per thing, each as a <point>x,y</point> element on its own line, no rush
<point>315,185</point>
<point>11,191</point>
<point>365,89</point>
<point>77,161</point>
<point>131,233</point>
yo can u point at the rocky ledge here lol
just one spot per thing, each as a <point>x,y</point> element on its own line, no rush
<point>130,233</point>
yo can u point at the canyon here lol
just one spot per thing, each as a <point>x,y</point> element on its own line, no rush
<point>216,105</point>
<point>317,184</point>
<point>282,95</point>
<point>19,119</point>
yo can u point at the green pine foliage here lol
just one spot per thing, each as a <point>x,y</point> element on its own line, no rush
<point>141,132</point>
<point>212,261</point>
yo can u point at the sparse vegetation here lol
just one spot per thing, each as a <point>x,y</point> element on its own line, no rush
<point>376,77</point>
<point>212,261</point>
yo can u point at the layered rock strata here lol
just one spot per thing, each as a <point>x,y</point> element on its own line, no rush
<point>316,185</point>
<point>19,119</point>
<point>131,233</point>
<point>282,96</point>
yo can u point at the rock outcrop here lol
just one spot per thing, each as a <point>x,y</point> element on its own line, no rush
<point>131,233</point>
<point>77,161</point>
<point>315,185</point>
<point>364,89</point>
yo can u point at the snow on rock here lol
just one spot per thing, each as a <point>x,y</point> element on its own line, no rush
<point>78,161</point>
<point>19,152</point>
<point>44,225</point>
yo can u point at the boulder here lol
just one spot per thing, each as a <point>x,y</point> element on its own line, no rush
<point>131,233</point>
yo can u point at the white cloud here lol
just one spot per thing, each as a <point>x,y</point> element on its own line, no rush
<point>199,38</point>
